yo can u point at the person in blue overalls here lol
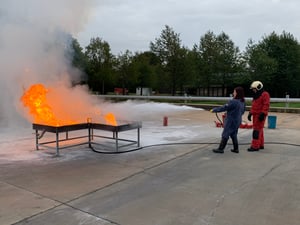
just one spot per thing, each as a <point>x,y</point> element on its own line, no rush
<point>234,109</point>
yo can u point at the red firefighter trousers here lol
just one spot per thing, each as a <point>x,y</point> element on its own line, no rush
<point>258,132</point>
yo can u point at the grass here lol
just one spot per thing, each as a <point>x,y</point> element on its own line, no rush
<point>284,105</point>
<point>248,103</point>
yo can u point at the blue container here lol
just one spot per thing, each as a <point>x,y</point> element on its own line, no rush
<point>272,122</point>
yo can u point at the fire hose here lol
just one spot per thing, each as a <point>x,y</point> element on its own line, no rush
<point>221,122</point>
<point>185,143</point>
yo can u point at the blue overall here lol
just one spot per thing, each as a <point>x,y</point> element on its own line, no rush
<point>235,109</point>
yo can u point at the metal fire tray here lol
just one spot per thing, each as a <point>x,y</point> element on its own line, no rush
<point>41,129</point>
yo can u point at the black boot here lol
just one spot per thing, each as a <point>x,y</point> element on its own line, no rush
<point>221,146</point>
<point>235,145</point>
<point>251,149</point>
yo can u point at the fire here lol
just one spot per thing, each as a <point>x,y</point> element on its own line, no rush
<point>35,98</point>
<point>110,119</point>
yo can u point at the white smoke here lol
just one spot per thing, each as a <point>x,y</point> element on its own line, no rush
<point>33,37</point>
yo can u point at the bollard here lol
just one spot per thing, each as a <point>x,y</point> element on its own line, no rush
<point>165,121</point>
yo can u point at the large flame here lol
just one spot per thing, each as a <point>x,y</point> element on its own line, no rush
<point>35,98</point>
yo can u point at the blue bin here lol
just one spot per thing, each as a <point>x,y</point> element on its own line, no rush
<point>272,122</point>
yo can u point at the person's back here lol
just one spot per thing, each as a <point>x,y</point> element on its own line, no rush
<point>234,112</point>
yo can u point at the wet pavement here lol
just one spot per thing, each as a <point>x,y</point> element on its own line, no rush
<point>175,179</point>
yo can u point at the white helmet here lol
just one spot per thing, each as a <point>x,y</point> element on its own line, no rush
<point>256,85</point>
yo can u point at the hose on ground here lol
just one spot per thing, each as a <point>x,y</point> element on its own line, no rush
<point>182,143</point>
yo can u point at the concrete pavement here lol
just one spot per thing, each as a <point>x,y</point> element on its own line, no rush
<point>172,184</point>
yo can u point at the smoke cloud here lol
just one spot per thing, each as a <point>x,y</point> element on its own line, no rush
<point>34,35</point>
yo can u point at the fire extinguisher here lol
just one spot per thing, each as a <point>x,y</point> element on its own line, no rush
<point>223,118</point>
<point>221,122</point>
<point>165,121</point>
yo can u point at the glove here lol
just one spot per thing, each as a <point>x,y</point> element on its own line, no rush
<point>261,116</point>
<point>249,116</point>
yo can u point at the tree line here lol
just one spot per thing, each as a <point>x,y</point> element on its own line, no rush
<point>168,67</point>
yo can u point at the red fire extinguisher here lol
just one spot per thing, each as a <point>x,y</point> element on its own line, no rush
<point>223,118</point>
<point>165,121</point>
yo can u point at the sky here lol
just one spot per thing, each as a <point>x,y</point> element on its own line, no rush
<point>133,24</point>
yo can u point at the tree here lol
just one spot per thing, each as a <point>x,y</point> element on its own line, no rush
<point>100,64</point>
<point>78,58</point>
<point>193,68</point>
<point>124,72</point>
<point>146,67</point>
<point>276,62</point>
<point>218,60</point>
<point>168,48</point>
<point>260,66</point>
<point>206,52</point>
<point>227,60</point>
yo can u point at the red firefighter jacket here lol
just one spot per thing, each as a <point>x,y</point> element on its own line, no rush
<point>261,103</point>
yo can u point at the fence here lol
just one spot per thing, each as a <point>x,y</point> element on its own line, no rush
<point>190,99</point>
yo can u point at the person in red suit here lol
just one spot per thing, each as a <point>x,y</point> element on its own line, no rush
<point>258,112</point>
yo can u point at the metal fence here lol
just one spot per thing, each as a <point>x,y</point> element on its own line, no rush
<point>194,99</point>
<point>187,98</point>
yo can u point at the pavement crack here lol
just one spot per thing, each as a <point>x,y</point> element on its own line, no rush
<point>91,214</point>
<point>218,204</point>
<point>58,204</point>
<point>271,170</point>
<point>236,190</point>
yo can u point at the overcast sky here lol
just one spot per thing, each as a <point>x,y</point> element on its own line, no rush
<point>132,24</point>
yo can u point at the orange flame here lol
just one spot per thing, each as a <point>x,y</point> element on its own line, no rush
<point>35,98</point>
<point>110,119</point>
